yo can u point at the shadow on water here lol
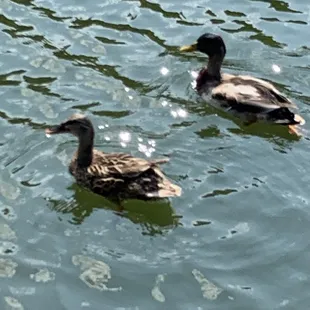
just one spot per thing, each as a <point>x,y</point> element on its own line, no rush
<point>155,217</point>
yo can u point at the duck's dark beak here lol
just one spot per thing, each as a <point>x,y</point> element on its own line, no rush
<point>189,48</point>
<point>56,130</point>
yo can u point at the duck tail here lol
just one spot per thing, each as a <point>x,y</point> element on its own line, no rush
<point>159,161</point>
<point>165,188</point>
<point>283,116</point>
<point>168,190</point>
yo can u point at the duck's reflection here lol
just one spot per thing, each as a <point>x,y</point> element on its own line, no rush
<point>154,217</point>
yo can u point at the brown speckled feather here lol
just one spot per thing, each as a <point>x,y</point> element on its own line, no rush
<point>124,175</point>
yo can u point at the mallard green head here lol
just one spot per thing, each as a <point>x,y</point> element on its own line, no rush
<point>78,125</point>
<point>207,43</point>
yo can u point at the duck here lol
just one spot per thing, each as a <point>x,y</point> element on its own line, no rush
<point>118,175</point>
<point>249,98</point>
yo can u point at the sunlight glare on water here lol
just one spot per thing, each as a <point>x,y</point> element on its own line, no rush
<point>164,71</point>
<point>276,68</point>
<point>178,113</point>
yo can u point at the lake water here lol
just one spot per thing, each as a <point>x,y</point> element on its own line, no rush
<point>238,238</point>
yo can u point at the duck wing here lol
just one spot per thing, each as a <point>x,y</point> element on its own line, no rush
<point>139,177</point>
<point>120,165</point>
<point>250,95</point>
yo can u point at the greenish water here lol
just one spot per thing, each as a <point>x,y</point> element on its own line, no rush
<point>236,239</point>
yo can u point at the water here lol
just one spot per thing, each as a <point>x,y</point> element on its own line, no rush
<point>236,239</point>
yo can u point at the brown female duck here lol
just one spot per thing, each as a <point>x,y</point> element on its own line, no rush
<point>115,174</point>
<point>246,97</point>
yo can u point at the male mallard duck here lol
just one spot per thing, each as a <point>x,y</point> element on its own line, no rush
<point>249,98</point>
<point>115,174</point>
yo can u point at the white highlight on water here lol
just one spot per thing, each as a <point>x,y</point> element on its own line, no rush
<point>194,74</point>
<point>164,71</point>
<point>125,136</point>
<point>276,68</point>
<point>179,113</point>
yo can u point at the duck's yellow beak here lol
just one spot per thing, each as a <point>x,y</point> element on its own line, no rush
<point>189,48</point>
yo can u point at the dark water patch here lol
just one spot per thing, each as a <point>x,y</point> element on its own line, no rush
<point>12,24</point>
<point>23,121</point>
<point>201,223</point>
<point>187,23</point>
<point>220,192</point>
<point>278,5</point>
<point>39,80</point>
<point>299,22</point>
<point>29,184</point>
<point>155,7</point>
<point>267,40</point>
<point>234,14</point>
<point>50,14</point>
<point>217,21</point>
<point>212,131</point>
<point>109,41</point>
<point>85,107</point>
<point>113,114</point>
<point>6,79</point>
<point>270,19</point>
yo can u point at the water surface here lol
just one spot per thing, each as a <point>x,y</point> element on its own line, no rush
<point>236,239</point>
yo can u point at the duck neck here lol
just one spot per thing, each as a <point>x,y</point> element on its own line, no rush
<point>214,66</point>
<point>85,150</point>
